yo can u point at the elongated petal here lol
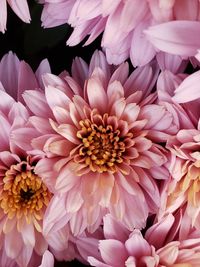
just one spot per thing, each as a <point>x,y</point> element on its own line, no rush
<point>176,37</point>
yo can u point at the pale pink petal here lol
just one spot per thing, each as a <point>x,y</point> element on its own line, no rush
<point>113,229</point>
<point>3,15</point>
<point>111,247</point>
<point>188,90</point>
<point>21,9</point>
<point>176,37</point>
<point>28,235</point>
<point>13,244</point>
<point>96,94</point>
<point>142,51</point>
<point>137,246</point>
<point>47,260</point>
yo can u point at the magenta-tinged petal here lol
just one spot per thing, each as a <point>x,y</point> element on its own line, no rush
<point>176,37</point>
<point>9,73</point>
<point>26,80</point>
<point>111,247</point>
<point>160,230</point>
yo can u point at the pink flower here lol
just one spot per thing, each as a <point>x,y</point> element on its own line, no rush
<point>184,186</point>
<point>137,36</point>
<point>24,197</point>
<point>159,247</point>
<point>101,140</point>
<point>20,7</point>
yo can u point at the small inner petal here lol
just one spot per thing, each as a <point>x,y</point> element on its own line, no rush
<point>102,147</point>
<point>23,194</point>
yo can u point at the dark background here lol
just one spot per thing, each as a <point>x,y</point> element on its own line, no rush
<point>32,43</point>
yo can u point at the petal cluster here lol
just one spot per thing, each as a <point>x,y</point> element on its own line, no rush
<point>156,26</point>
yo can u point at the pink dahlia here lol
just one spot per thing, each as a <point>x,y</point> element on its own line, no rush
<point>132,28</point>
<point>161,246</point>
<point>20,7</point>
<point>99,131</point>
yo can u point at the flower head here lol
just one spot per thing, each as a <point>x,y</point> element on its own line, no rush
<point>100,141</point>
<point>24,197</point>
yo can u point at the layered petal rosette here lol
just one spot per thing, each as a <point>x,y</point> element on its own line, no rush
<point>101,143</point>
<point>139,36</point>
<point>185,185</point>
<point>161,246</point>
<point>23,195</point>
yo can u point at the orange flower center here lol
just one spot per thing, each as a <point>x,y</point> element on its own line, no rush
<point>24,194</point>
<point>102,146</point>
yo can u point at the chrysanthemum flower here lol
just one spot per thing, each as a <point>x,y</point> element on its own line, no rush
<point>123,24</point>
<point>24,196</point>
<point>160,246</point>
<point>101,142</point>
<point>185,169</point>
<point>20,7</point>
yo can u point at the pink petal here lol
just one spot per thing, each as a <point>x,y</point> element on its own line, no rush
<point>113,252</point>
<point>56,97</point>
<point>27,80</point>
<point>188,90</point>
<point>9,72</point>
<point>3,15</point>
<point>66,180</point>
<point>96,94</point>
<point>47,260</point>
<point>142,51</point>
<point>21,9</point>
<point>176,37</point>
<point>28,235</point>
<point>113,229</point>
<point>157,234</point>
<point>137,246</point>
<point>13,244</point>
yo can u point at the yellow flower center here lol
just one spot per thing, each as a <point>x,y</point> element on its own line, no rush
<point>23,194</point>
<point>102,146</point>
